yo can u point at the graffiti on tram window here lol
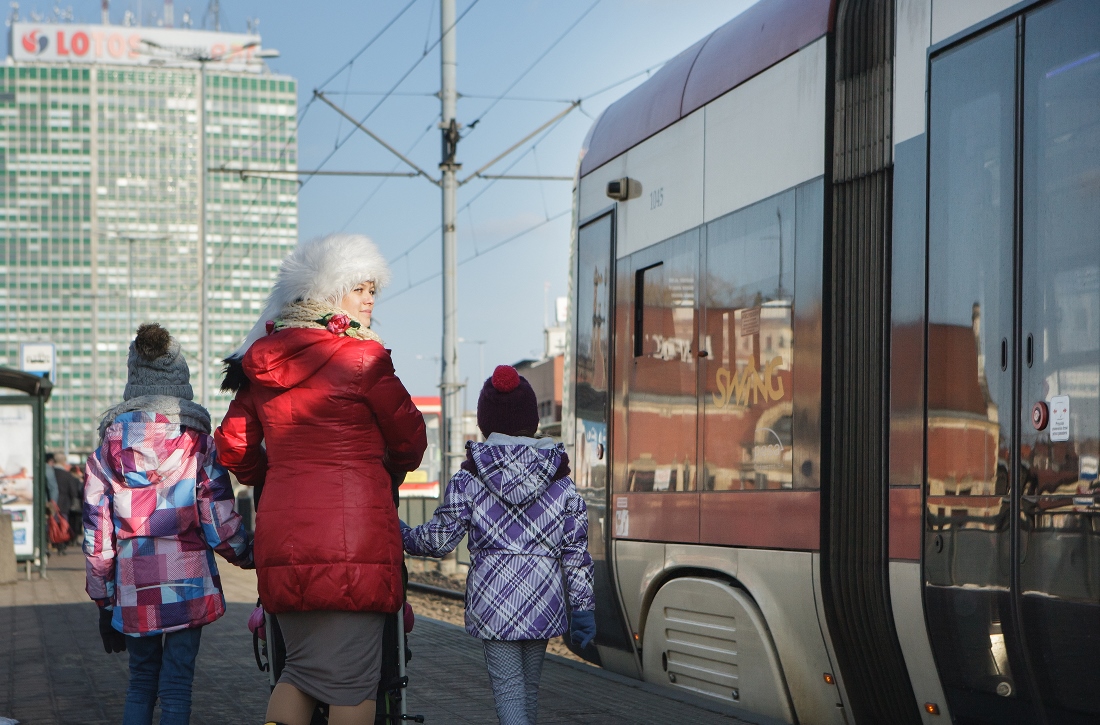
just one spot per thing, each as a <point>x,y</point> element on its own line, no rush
<point>739,386</point>
<point>671,348</point>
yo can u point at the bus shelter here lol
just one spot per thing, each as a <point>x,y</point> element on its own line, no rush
<point>23,399</point>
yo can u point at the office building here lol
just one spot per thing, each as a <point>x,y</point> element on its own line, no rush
<point>102,191</point>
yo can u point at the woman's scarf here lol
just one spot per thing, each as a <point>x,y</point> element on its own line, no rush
<point>314,314</point>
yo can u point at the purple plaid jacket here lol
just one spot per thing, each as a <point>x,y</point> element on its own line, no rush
<point>526,531</point>
<point>156,502</point>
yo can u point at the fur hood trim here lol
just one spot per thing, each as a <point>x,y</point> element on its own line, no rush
<point>322,270</point>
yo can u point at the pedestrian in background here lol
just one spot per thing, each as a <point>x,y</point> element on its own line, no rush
<point>527,526</point>
<point>76,503</point>
<point>156,506</point>
<point>51,480</point>
<point>64,492</point>
<point>317,385</point>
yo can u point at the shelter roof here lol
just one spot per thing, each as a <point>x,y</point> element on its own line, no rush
<point>25,382</point>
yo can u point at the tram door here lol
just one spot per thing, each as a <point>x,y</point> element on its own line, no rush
<point>592,351</point>
<point>1012,539</point>
<point>660,399</point>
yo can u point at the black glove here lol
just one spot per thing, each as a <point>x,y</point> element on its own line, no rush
<point>113,640</point>
<point>250,561</point>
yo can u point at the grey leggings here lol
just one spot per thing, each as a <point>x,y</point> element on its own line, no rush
<point>515,669</point>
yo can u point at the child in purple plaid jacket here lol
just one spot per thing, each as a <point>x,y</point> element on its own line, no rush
<point>156,506</point>
<point>528,527</point>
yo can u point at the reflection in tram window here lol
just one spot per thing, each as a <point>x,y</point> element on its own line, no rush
<point>970,307</point>
<point>749,338</point>
<point>661,400</point>
<point>1061,310</point>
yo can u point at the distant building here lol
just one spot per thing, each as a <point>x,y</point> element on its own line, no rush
<point>100,194</point>
<point>546,377</point>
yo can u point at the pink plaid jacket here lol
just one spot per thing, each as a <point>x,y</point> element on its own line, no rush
<point>156,503</point>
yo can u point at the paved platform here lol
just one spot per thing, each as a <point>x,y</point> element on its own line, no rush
<point>53,668</point>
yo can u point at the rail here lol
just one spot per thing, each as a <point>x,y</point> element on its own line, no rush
<point>438,591</point>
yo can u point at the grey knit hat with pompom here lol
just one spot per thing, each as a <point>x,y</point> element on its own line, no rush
<point>156,365</point>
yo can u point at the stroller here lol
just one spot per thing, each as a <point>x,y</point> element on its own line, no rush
<point>270,652</point>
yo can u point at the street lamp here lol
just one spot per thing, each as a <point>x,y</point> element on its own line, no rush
<point>202,58</point>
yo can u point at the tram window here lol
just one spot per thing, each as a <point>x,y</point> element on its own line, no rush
<point>748,301</point>
<point>592,352</point>
<point>970,282</point>
<point>661,395</point>
<point>639,306</point>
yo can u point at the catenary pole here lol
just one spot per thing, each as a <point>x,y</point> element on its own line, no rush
<point>449,382</point>
<point>204,297</point>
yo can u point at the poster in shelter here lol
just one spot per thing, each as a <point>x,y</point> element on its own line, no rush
<point>17,473</point>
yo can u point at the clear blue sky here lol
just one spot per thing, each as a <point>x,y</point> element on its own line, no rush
<point>502,292</point>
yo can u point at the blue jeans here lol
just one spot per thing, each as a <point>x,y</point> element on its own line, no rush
<point>164,666</point>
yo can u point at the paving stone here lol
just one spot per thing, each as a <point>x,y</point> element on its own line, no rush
<point>53,669</point>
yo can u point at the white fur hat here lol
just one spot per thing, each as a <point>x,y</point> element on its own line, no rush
<point>324,270</point>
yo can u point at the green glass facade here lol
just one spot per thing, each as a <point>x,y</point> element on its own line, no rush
<point>99,219</point>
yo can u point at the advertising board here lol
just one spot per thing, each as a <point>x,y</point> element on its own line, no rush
<point>121,45</point>
<point>17,461</point>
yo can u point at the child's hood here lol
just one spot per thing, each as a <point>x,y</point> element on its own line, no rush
<point>145,448</point>
<point>516,469</point>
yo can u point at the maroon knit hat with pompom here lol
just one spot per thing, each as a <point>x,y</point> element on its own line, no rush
<point>507,404</point>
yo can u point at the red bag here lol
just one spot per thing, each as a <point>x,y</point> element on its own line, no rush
<point>59,532</point>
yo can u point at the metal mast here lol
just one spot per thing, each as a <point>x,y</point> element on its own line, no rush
<point>449,383</point>
<point>204,298</point>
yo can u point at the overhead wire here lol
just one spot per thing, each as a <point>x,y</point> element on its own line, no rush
<point>301,114</point>
<point>480,192</point>
<point>382,183</point>
<point>370,42</point>
<point>341,143</point>
<point>394,87</point>
<point>538,60</point>
<point>483,252</point>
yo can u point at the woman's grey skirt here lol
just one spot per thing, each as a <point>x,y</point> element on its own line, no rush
<point>334,657</point>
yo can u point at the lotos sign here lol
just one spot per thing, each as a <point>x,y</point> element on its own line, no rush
<point>74,43</point>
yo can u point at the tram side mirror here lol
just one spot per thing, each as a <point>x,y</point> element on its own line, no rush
<point>624,188</point>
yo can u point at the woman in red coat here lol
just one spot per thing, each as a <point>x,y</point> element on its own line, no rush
<point>314,383</point>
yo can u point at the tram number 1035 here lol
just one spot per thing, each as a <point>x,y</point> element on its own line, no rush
<point>656,198</point>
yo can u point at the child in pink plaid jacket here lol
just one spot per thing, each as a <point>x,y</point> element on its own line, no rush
<point>156,506</point>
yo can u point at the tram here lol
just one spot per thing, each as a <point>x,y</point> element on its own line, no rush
<point>836,364</point>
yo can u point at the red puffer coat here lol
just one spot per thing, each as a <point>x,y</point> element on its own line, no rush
<point>334,417</point>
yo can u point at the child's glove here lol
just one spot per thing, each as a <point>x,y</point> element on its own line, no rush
<point>249,560</point>
<point>113,640</point>
<point>582,628</point>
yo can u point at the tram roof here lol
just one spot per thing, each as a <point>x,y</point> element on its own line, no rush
<point>755,40</point>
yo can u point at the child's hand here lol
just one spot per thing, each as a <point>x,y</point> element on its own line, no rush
<point>582,628</point>
<point>113,640</point>
<point>249,560</point>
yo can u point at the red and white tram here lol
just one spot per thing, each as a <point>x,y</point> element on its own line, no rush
<point>836,363</point>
